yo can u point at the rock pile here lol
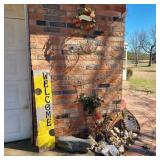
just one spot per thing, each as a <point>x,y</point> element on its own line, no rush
<point>117,143</point>
<point>120,133</point>
<point>110,138</point>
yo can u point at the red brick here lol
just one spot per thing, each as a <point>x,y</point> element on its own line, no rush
<point>59,132</point>
<point>40,62</point>
<point>108,13</point>
<point>82,73</point>
<point>36,16</point>
<point>69,7</point>
<point>36,30</point>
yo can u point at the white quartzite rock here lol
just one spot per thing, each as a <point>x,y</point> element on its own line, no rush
<point>113,150</point>
<point>121,149</point>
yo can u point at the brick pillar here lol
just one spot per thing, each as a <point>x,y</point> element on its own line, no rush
<point>54,43</point>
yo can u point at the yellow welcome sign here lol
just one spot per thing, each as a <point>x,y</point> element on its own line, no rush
<point>45,139</point>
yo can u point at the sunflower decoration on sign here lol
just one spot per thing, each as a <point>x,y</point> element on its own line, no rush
<point>85,19</point>
<point>45,137</point>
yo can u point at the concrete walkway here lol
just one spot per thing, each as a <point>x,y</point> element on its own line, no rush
<point>143,106</point>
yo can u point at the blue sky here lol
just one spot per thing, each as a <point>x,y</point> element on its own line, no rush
<point>140,17</point>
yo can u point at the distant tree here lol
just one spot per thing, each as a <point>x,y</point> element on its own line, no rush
<point>141,56</point>
<point>148,44</point>
<point>135,46</point>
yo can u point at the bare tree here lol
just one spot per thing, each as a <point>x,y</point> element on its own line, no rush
<point>135,46</point>
<point>148,44</point>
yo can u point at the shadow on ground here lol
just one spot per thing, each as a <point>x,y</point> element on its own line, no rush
<point>24,145</point>
<point>143,106</point>
<point>25,148</point>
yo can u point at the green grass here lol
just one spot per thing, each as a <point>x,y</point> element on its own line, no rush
<point>142,84</point>
<point>144,78</point>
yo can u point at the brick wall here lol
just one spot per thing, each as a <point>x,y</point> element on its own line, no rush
<point>56,44</point>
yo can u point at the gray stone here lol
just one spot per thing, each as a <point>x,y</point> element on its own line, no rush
<point>116,130</point>
<point>91,140</point>
<point>102,148</point>
<point>73,144</point>
<point>106,150</point>
<point>126,133</point>
<point>134,135</point>
<point>113,150</point>
<point>121,149</point>
<point>113,133</point>
<point>103,151</point>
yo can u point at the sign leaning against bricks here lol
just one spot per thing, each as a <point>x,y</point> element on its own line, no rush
<point>44,113</point>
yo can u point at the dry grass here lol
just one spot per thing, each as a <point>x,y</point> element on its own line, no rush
<point>144,77</point>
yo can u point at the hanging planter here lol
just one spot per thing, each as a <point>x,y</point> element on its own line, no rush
<point>85,19</point>
<point>91,102</point>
